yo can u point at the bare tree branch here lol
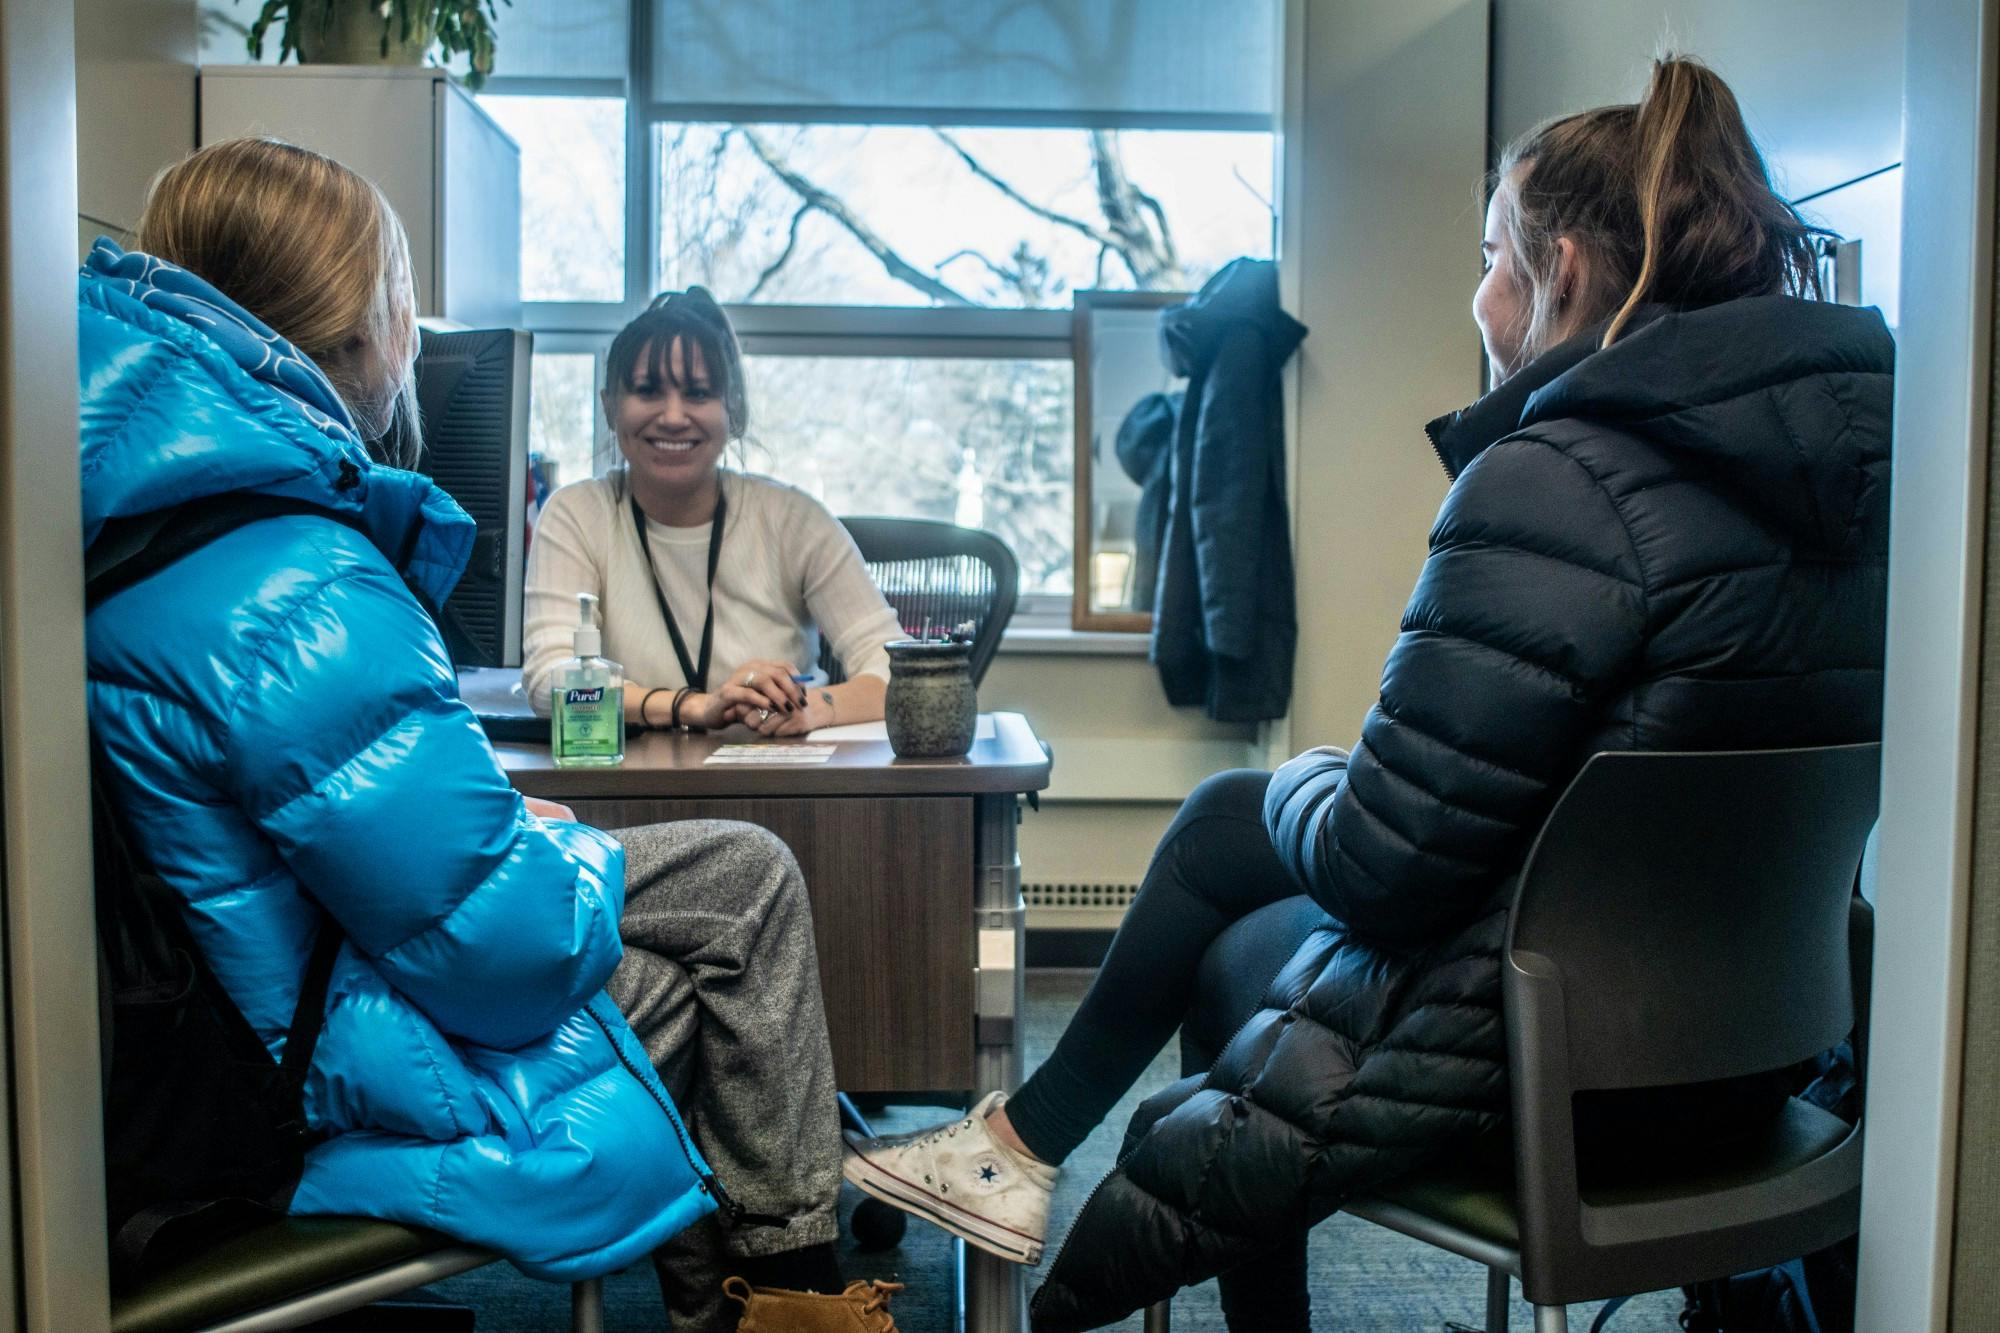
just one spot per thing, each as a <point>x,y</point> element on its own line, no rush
<point>791,243</point>
<point>1255,193</point>
<point>978,169</point>
<point>1029,277</point>
<point>831,205</point>
<point>1006,275</point>
<point>1134,218</point>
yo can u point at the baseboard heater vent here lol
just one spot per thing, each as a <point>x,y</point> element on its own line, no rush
<point>1073,906</point>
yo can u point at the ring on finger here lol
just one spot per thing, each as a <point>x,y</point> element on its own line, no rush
<point>763,715</point>
<point>749,680</point>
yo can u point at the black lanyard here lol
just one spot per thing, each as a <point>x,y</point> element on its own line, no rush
<point>694,674</point>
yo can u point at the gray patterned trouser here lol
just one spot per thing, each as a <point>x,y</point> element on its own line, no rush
<point>720,983</point>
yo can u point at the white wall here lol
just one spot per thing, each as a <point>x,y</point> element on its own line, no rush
<point>1940,568</point>
<point>53,1273</point>
<point>135,86</point>
<point>1379,259</point>
<point>1821,81</point>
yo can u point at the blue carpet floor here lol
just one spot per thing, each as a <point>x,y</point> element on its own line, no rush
<point>1365,1279</point>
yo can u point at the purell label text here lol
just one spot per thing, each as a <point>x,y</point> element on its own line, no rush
<point>591,696</point>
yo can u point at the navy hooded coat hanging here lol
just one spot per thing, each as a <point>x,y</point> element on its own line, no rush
<point>1224,624</point>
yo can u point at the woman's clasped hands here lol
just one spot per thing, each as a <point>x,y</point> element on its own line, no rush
<point>762,696</point>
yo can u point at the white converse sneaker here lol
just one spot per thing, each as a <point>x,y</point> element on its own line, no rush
<point>962,1178</point>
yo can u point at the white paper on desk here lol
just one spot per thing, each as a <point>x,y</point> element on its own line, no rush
<point>879,731</point>
<point>770,754</point>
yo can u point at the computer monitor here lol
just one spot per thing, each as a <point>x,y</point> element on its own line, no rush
<point>472,397</point>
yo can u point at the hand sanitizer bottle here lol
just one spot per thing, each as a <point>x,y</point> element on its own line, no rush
<point>587,713</point>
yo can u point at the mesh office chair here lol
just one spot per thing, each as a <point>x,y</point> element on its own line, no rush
<point>1680,918</point>
<point>940,575</point>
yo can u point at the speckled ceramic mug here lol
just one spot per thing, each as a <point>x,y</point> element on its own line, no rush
<point>931,709</point>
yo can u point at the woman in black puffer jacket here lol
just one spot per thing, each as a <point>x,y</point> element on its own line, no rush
<point>1667,530</point>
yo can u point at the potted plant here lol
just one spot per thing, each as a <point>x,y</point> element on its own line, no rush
<point>380,32</point>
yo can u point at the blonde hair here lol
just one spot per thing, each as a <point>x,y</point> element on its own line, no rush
<point>1666,199</point>
<point>316,252</point>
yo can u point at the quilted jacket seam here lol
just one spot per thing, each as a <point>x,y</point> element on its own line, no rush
<point>1805,468</point>
<point>1643,582</point>
<point>1494,544</point>
<point>1836,392</point>
<point>1420,853</point>
<point>1353,1094</point>
<point>1572,684</point>
<point>436,1067</point>
<point>1383,765</point>
<point>305,602</point>
<point>1734,571</point>
<point>484,881</point>
<point>264,645</point>
<point>1436,739</point>
<point>1638,563</point>
<point>187,709</point>
<point>1875,667</point>
<point>140,396</point>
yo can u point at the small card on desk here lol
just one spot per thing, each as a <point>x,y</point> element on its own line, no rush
<point>771,754</point>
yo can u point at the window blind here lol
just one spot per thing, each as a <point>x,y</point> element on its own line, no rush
<point>562,39</point>
<point>1094,62</point>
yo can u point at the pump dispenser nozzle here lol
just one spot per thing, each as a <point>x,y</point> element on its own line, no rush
<point>589,641</point>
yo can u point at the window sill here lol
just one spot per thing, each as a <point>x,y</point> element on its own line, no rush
<point>1050,640</point>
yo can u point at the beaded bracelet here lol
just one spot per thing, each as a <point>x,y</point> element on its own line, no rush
<point>645,721</point>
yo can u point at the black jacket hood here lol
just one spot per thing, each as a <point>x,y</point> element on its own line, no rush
<point>1244,292</point>
<point>1737,386</point>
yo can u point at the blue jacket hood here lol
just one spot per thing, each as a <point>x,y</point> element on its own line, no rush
<point>233,407</point>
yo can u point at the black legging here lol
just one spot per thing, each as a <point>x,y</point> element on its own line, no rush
<point>1213,867</point>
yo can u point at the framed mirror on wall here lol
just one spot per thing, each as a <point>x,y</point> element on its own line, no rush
<point>1126,403</point>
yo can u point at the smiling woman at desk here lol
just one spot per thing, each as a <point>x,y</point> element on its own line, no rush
<point>714,583</point>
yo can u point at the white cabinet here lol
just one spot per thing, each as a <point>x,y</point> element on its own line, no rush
<point>452,174</point>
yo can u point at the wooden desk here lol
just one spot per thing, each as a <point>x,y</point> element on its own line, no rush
<point>913,873</point>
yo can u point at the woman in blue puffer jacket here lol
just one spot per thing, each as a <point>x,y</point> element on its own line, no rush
<point>281,730</point>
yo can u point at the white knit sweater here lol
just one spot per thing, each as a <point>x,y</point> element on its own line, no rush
<point>788,574</point>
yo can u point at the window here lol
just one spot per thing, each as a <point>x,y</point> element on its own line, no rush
<point>562,426</point>
<point>572,194</point>
<point>982,442</point>
<point>899,215</point>
<point>897,200</point>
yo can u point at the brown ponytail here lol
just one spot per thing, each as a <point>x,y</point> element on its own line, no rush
<point>1712,228</point>
<point>1667,201</point>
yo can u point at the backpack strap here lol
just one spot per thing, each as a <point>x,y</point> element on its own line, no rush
<point>135,547</point>
<point>138,546</point>
<point>309,1017</point>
